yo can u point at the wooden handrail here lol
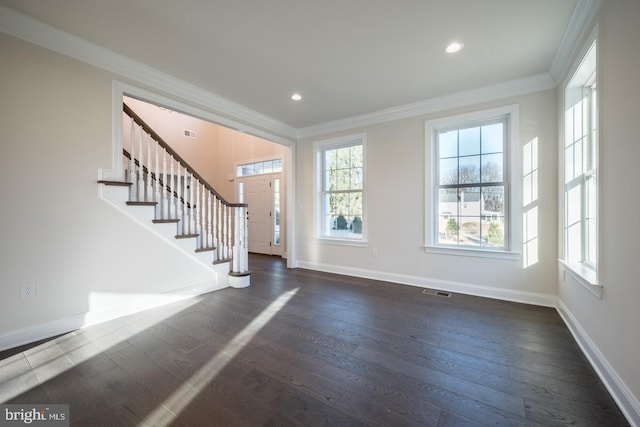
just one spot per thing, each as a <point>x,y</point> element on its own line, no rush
<point>138,120</point>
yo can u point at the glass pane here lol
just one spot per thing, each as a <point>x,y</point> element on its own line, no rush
<point>267,166</point>
<point>578,129</point>
<point>356,179</point>
<point>469,172</point>
<point>492,231</point>
<point>578,158</point>
<point>492,138</point>
<point>448,226</point>
<point>448,169</point>
<point>331,180</point>
<point>492,166</point>
<point>277,165</point>
<point>343,179</point>
<point>569,172</point>
<point>470,231</point>
<point>330,159</point>
<point>355,204</point>
<point>470,204</point>
<point>356,156</point>
<point>574,243</point>
<point>448,144</point>
<point>342,158</point>
<point>568,126</point>
<point>574,205</point>
<point>469,141</point>
<point>493,202</point>
<point>276,211</point>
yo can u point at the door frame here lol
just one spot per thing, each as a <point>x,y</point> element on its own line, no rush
<point>281,249</point>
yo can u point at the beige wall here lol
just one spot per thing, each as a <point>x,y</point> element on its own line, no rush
<point>612,322</point>
<point>396,207</point>
<point>56,233</point>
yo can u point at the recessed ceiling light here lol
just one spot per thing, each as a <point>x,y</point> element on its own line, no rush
<point>296,97</point>
<point>454,47</point>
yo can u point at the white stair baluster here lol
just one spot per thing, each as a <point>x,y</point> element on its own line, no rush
<point>163,188</point>
<point>179,202</point>
<point>172,188</point>
<point>148,189</point>
<point>192,211</point>
<point>141,189</point>
<point>197,208</point>
<point>132,163</point>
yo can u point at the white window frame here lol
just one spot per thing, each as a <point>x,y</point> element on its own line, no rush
<point>579,84</point>
<point>319,148</point>
<point>512,178</point>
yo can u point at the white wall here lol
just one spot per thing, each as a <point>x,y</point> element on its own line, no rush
<point>395,191</point>
<point>609,327</point>
<point>56,127</point>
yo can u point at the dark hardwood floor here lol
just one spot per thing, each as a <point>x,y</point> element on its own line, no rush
<point>306,348</point>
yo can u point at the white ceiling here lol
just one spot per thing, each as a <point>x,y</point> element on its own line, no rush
<point>346,57</point>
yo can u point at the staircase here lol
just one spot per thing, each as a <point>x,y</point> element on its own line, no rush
<point>164,193</point>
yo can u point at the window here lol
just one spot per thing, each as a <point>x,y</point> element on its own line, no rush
<point>258,168</point>
<point>340,186</point>
<point>580,170</point>
<point>470,205</point>
<point>276,211</point>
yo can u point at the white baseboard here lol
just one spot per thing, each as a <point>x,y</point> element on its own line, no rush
<point>627,402</point>
<point>533,298</point>
<point>111,307</point>
<point>22,336</point>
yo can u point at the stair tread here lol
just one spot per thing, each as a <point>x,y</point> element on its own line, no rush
<point>134,203</point>
<point>165,221</point>
<point>221,261</point>
<point>116,183</point>
<point>186,236</point>
<point>211,248</point>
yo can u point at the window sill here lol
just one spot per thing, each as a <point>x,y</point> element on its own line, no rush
<point>342,242</point>
<point>477,253</point>
<point>583,275</point>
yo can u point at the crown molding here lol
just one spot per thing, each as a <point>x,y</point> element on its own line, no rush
<point>580,24</point>
<point>507,89</point>
<point>49,37</point>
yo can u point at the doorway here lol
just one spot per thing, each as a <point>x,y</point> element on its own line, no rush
<point>260,185</point>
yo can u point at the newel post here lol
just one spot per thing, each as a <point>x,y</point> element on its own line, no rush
<point>239,276</point>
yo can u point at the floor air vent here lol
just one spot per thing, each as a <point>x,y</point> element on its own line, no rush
<point>437,293</point>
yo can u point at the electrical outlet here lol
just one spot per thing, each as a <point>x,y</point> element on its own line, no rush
<point>28,291</point>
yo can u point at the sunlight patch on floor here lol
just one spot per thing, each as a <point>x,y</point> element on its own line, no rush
<point>189,390</point>
<point>23,371</point>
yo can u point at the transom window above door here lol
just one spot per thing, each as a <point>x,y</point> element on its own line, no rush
<point>259,168</point>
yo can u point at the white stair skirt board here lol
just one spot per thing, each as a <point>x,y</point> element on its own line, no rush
<point>144,215</point>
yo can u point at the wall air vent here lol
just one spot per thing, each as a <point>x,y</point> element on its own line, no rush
<point>190,134</point>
